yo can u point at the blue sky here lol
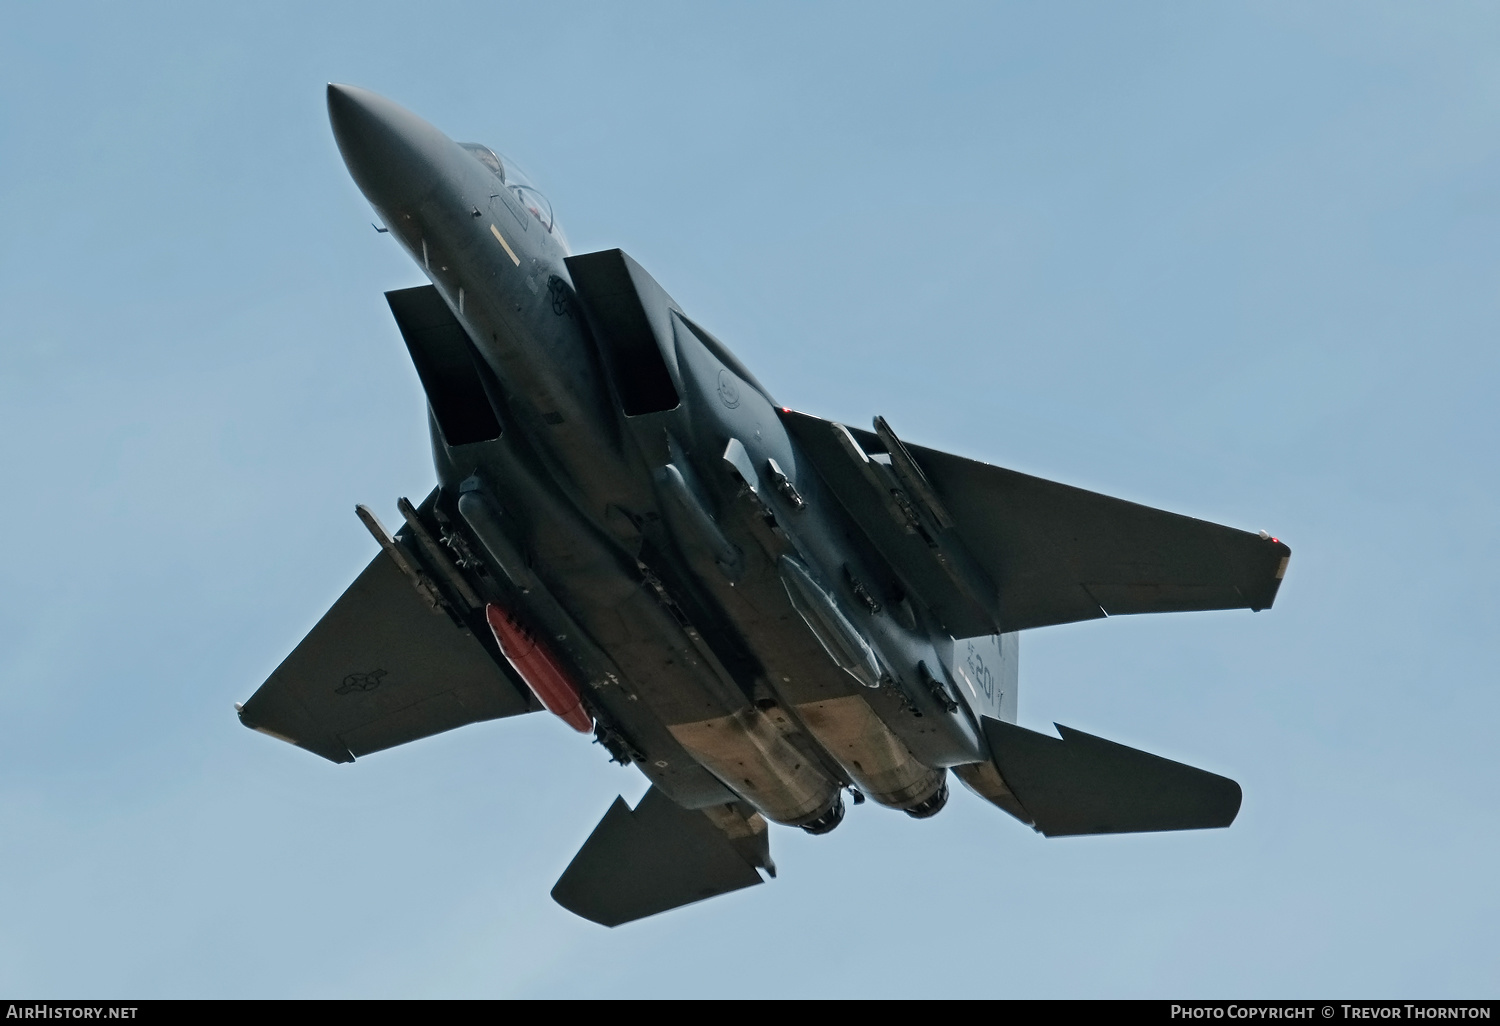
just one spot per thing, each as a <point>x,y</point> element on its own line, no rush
<point>1237,261</point>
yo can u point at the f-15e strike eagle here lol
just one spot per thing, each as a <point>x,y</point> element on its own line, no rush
<point>762,610</point>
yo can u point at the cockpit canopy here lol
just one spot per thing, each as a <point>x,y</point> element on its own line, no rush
<point>526,194</point>
<point>488,157</point>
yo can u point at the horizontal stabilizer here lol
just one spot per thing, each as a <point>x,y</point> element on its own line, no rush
<point>1084,784</point>
<point>658,857</point>
<point>381,668</point>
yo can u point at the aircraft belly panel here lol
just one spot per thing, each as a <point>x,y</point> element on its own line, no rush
<point>748,753</point>
<point>879,763</point>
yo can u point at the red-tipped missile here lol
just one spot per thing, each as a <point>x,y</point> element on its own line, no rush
<point>541,671</point>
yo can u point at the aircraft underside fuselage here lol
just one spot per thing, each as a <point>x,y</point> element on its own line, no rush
<point>761,609</point>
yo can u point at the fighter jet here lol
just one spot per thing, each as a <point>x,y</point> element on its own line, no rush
<point>761,610</point>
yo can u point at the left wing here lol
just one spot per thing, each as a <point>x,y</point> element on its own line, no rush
<point>381,668</point>
<point>992,550</point>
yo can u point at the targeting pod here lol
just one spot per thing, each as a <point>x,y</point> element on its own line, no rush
<point>539,668</point>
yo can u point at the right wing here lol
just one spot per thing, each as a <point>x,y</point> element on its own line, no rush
<point>381,668</point>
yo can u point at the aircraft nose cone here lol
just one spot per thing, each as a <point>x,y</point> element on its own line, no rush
<point>392,154</point>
